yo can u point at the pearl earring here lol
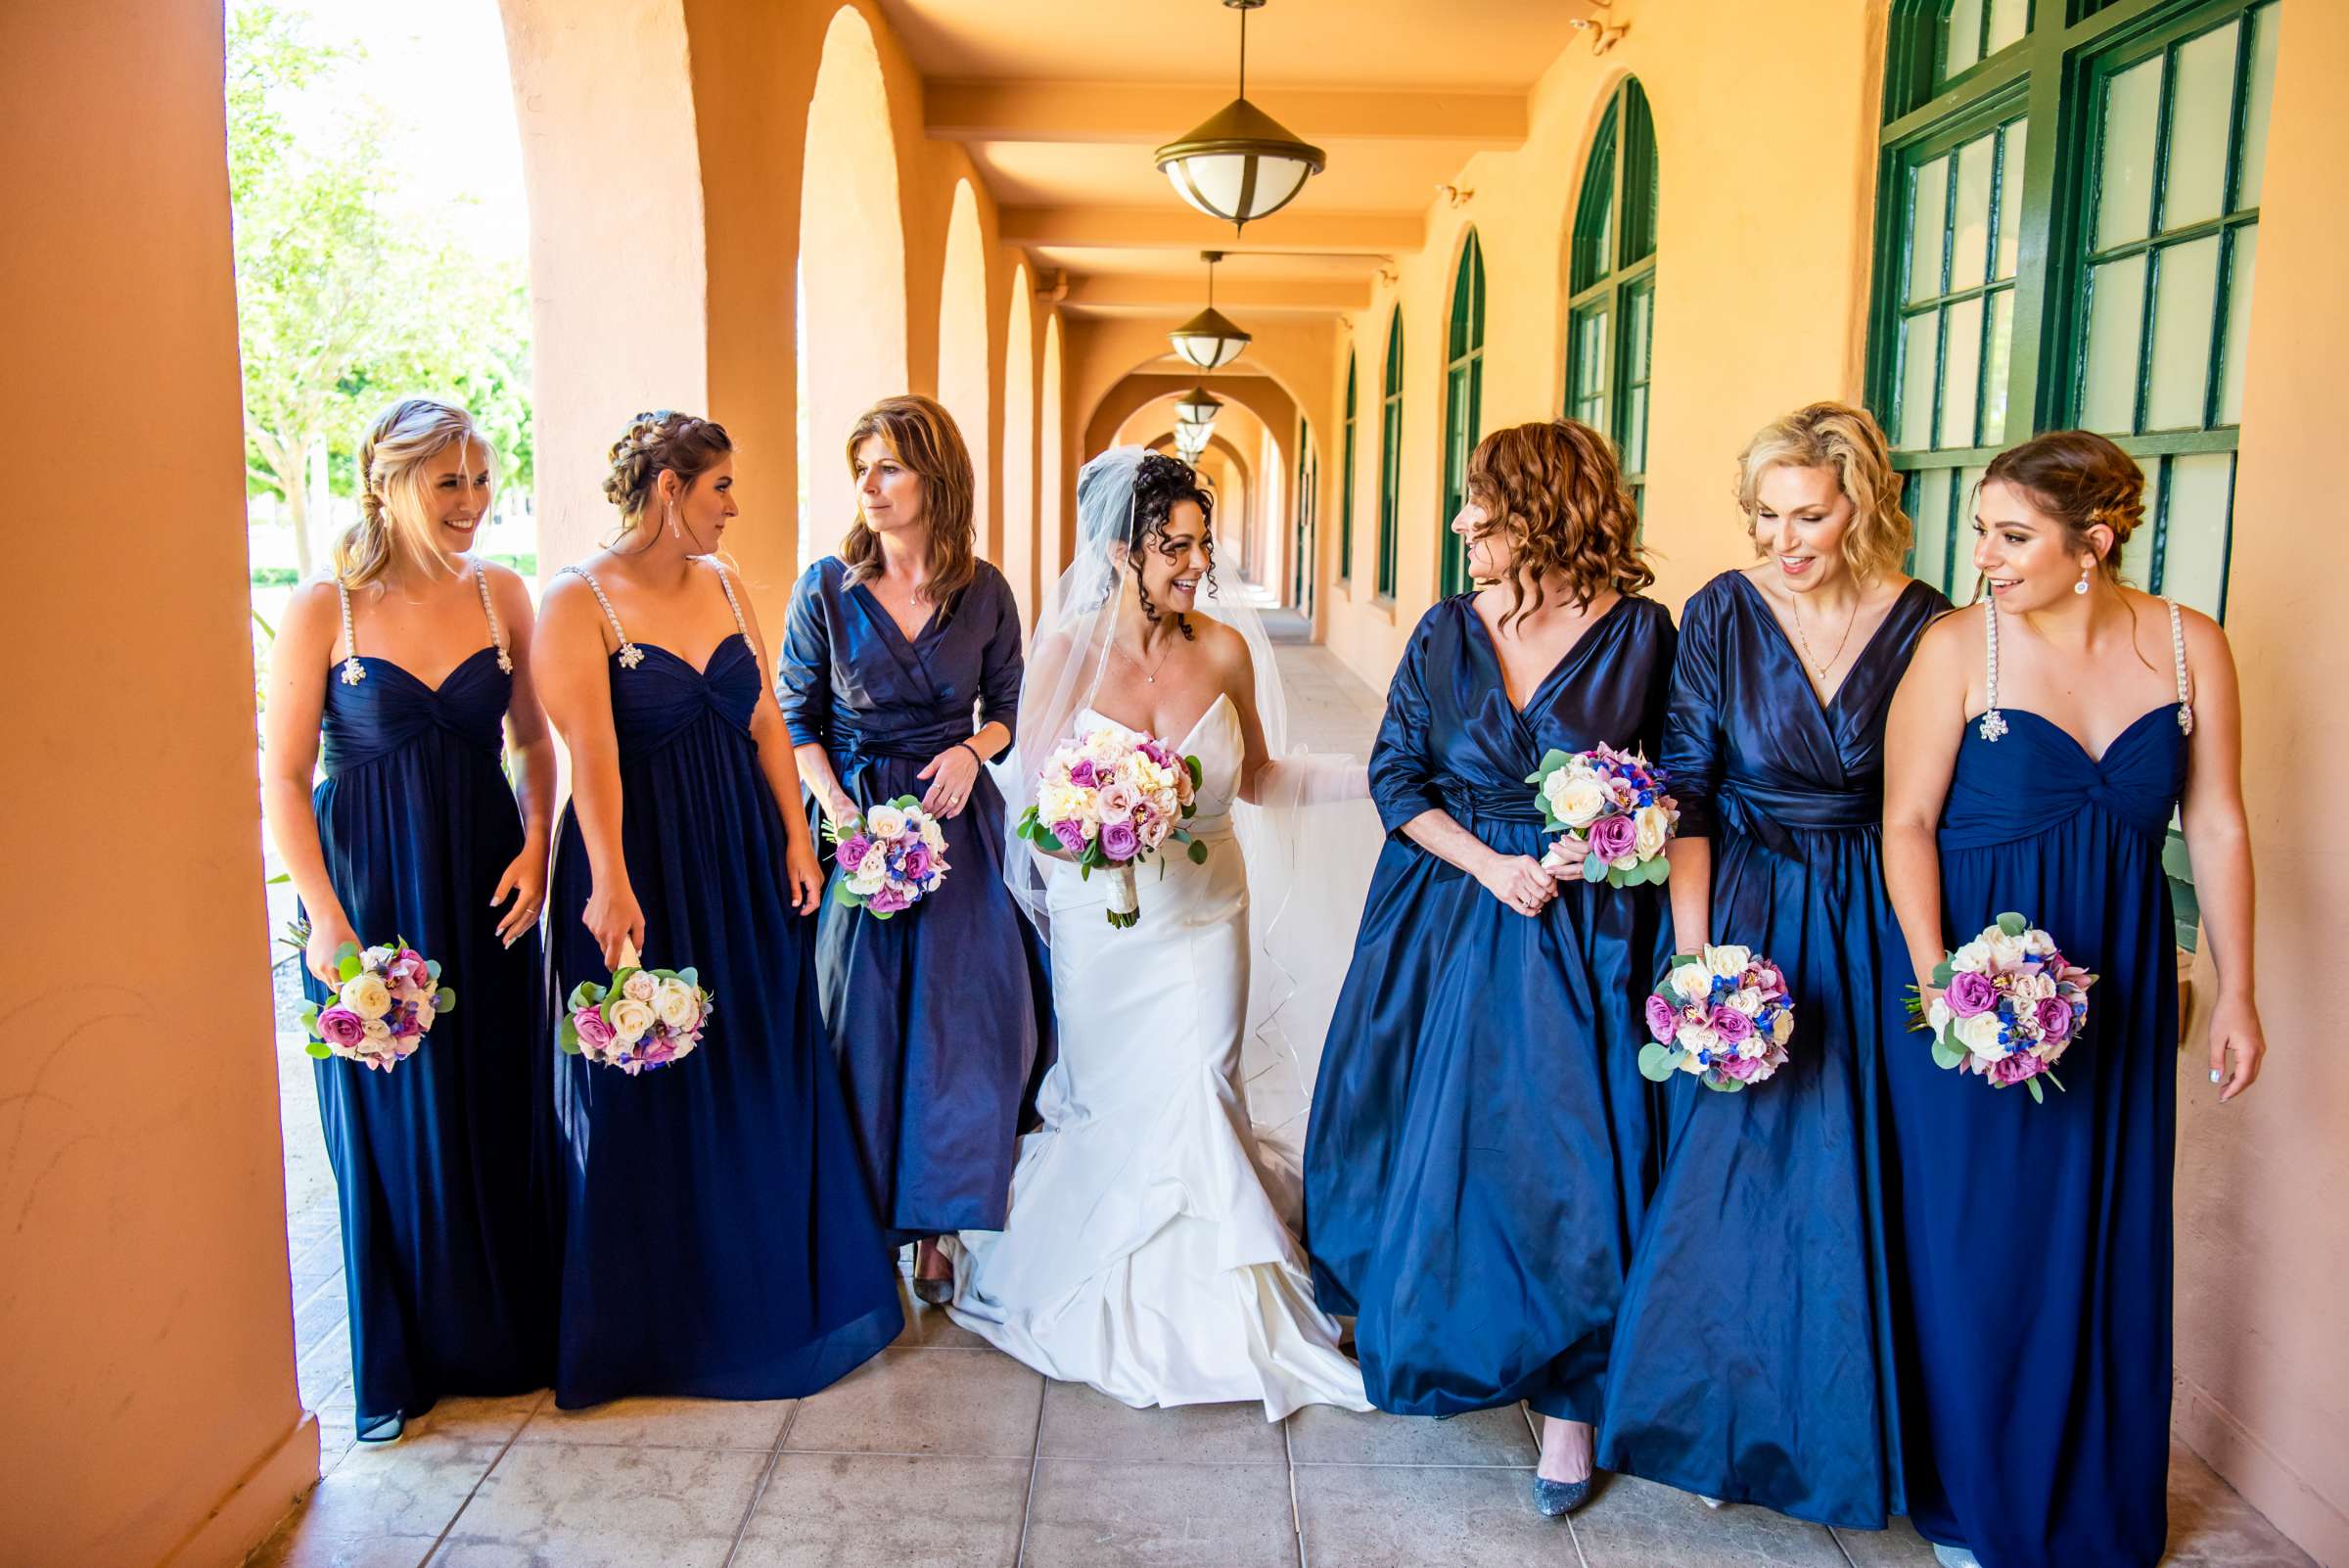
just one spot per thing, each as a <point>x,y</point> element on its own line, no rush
<point>671,510</point>
<point>2081,586</point>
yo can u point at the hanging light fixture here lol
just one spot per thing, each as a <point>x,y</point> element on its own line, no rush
<point>1209,340</point>
<point>1190,442</point>
<point>1240,164</point>
<point>1199,407</point>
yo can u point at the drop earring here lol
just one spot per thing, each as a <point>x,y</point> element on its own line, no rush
<point>672,512</point>
<point>2085,573</point>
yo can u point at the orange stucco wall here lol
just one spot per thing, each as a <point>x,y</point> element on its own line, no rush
<point>146,1335</point>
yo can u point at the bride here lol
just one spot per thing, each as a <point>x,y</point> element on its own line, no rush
<point>1150,1250</point>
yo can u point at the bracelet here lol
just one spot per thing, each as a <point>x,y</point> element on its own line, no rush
<point>974,751</point>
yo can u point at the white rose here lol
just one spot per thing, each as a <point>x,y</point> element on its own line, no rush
<point>2006,952</point>
<point>1729,962</point>
<point>1752,1047</point>
<point>1652,826</point>
<point>367,995</point>
<point>376,1029</point>
<point>639,986</point>
<point>1579,804</point>
<point>884,822</point>
<point>1979,1035</point>
<point>2037,942</point>
<point>875,862</point>
<point>1698,1037</point>
<point>1972,958</point>
<point>934,834</point>
<point>1691,982</point>
<point>2031,988</point>
<point>1747,1001</point>
<point>377,957</point>
<point>1938,1016</point>
<point>631,1019</point>
<point>677,1004</point>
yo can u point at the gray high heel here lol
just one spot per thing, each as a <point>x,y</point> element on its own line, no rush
<point>1955,1557</point>
<point>1557,1499</point>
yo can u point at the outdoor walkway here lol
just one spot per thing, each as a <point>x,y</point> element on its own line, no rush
<point>945,1451</point>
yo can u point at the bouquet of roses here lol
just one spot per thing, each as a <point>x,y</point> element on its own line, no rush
<point>1110,799</point>
<point>1723,1015</point>
<point>645,1018</point>
<point>1615,814</point>
<point>2010,1007</point>
<point>890,858</point>
<point>390,997</point>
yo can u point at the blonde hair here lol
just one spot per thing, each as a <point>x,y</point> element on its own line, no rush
<point>1556,488</point>
<point>405,436</point>
<point>1850,441</point>
<point>921,435</point>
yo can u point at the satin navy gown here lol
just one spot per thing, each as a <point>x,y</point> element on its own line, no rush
<point>2038,1237</point>
<point>720,1238</point>
<point>1754,1357</point>
<point>934,1011</point>
<point>1481,1144</point>
<point>441,1167</point>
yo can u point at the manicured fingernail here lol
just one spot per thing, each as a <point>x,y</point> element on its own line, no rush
<point>2216,1074</point>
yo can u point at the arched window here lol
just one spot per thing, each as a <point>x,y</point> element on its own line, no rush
<point>1345,488</point>
<point>1301,552</point>
<point>1390,457</point>
<point>1463,404</point>
<point>1611,282</point>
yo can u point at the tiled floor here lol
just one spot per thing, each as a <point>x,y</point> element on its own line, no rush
<point>943,1452</point>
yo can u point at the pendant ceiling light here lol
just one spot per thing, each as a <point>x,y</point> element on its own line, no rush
<point>1240,164</point>
<point>1199,407</point>
<point>1209,340</point>
<point>1190,442</point>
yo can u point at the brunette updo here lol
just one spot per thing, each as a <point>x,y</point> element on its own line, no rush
<point>2082,481</point>
<point>1161,484</point>
<point>657,440</point>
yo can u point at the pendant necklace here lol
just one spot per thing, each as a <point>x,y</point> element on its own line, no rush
<point>1150,673</point>
<point>1808,656</point>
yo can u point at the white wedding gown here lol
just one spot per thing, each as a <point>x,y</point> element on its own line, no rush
<point>1145,1253</point>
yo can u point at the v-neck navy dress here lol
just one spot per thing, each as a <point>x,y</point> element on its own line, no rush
<point>1482,1143</point>
<point>1754,1357</point>
<point>937,1012</point>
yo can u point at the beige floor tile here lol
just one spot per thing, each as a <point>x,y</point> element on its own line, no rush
<point>925,1402</point>
<point>929,1327</point>
<point>577,1505</point>
<point>666,1423</point>
<point>1449,1516</point>
<point>1637,1524</point>
<point>1082,1423</point>
<point>1898,1546</point>
<point>2211,1524</point>
<point>386,1503</point>
<point>1109,1514</point>
<point>887,1510</point>
<point>1319,1434</point>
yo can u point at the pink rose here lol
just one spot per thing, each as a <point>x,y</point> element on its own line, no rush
<point>1733,1026</point>
<point>1662,1021</point>
<point>1118,840</point>
<point>595,1034</point>
<point>1117,799</point>
<point>1970,994</point>
<point>2054,1016</point>
<point>1071,835</point>
<point>889,901</point>
<point>340,1025</point>
<point>2009,1071</point>
<point>1612,837</point>
<point>850,852</point>
<point>917,862</point>
<point>1084,775</point>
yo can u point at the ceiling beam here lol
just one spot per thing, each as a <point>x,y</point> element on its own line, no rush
<point>1297,230</point>
<point>1149,113</point>
<point>1117,293</point>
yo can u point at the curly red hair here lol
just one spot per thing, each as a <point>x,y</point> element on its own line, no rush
<point>1556,489</point>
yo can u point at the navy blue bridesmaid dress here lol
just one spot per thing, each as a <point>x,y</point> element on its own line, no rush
<point>2037,1237</point>
<point>1481,1144</point>
<point>720,1239</point>
<point>1753,1358</point>
<point>934,1011</point>
<point>442,1165</point>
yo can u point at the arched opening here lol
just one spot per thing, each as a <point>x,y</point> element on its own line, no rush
<point>1611,281</point>
<point>850,274</point>
<point>1051,549</point>
<point>962,371</point>
<point>1019,446</point>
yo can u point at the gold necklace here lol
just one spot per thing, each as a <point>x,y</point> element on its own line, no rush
<point>1149,672</point>
<point>1812,658</point>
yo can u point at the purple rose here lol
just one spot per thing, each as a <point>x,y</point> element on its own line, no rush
<point>889,901</point>
<point>1071,836</point>
<point>594,1031</point>
<point>2009,1071</point>
<point>1084,775</point>
<point>340,1025</point>
<point>1970,993</point>
<point>1733,1026</point>
<point>917,862</point>
<point>2053,1015</point>
<point>1157,752</point>
<point>1612,837</point>
<point>1662,1021</point>
<point>853,851</point>
<point>1118,840</point>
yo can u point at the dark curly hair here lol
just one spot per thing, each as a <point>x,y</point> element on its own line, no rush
<point>1556,488</point>
<point>1161,484</point>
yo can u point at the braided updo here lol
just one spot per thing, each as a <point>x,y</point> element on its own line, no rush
<point>2082,481</point>
<point>662,438</point>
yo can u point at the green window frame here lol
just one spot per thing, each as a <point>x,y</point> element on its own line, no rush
<point>2067,232</point>
<point>1301,554</point>
<point>1611,282</point>
<point>1463,406</point>
<point>1345,488</point>
<point>1390,460</point>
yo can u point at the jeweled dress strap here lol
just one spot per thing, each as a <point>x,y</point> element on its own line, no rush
<point>2186,702</point>
<point>1994,722</point>
<point>630,656</point>
<point>497,633</point>
<point>353,670</point>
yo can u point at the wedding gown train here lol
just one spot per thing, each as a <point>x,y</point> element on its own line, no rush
<point>1146,1252</point>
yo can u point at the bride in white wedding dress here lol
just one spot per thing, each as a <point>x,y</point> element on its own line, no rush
<point>1150,1248</point>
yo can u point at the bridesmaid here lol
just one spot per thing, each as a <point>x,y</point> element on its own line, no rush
<point>2036,751</point>
<point>1482,1146</point>
<point>719,1240</point>
<point>1772,1198</point>
<point>413,658</point>
<point>900,676</point>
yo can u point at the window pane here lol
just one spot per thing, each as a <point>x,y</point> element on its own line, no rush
<point>1960,374</point>
<point>2116,295</point>
<point>2137,556</point>
<point>2011,197</point>
<point>1928,222</point>
<point>2193,558</point>
<point>1634,431</point>
<point>2008,19</point>
<point>1931,506</point>
<point>1590,366</point>
<point>1963,35</point>
<point>2185,304</point>
<point>2239,323</point>
<point>2255,118</point>
<point>2201,107</point>
<point>2125,191</point>
<point>1964,581</point>
<point>1970,233</point>
<point>1921,369</point>
<point>1994,375</point>
<point>1638,308</point>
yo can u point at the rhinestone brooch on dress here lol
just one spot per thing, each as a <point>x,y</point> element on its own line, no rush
<point>630,656</point>
<point>1993,725</point>
<point>354,672</point>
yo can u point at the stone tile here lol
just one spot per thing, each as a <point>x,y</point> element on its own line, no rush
<point>1083,1423</point>
<point>925,1402</point>
<point>1638,1524</point>
<point>386,1503</point>
<point>929,1327</point>
<point>2211,1524</point>
<point>666,1423</point>
<point>887,1510</point>
<point>1898,1546</point>
<point>586,1507</point>
<point>1114,1514</point>
<point>1321,1433</point>
<point>1395,1516</point>
<point>325,1312</point>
